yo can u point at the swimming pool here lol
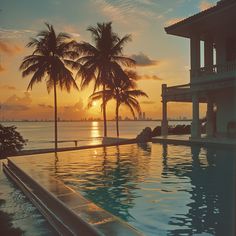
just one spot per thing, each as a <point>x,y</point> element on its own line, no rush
<point>18,216</point>
<point>159,189</point>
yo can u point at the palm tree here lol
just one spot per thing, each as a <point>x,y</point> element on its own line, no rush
<point>53,54</point>
<point>100,61</point>
<point>124,92</point>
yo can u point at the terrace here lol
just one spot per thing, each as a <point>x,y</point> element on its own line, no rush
<point>213,72</point>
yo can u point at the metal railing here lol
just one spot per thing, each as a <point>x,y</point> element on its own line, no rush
<point>214,69</point>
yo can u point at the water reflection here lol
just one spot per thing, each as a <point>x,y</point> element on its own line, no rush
<point>146,147</point>
<point>172,190</point>
<point>94,132</point>
<point>115,188</point>
<point>212,209</point>
<point>56,160</point>
<point>107,176</point>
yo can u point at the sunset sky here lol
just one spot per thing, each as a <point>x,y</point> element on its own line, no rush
<point>161,58</point>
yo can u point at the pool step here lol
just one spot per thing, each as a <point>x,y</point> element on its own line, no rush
<point>66,210</point>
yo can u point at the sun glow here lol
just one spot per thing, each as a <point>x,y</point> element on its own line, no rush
<point>94,104</point>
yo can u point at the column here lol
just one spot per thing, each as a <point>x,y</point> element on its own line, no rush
<point>220,51</point>
<point>195,127</point>
<point>195,55</point>
<point>164,122</point>
<point>208,55</point>
<point>210,118</point>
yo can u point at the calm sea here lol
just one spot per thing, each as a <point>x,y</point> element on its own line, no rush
<point>41,134</point>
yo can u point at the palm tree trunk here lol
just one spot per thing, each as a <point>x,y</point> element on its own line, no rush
<point>104,112</point>
<point>55,113</point>
<point>117,118</point>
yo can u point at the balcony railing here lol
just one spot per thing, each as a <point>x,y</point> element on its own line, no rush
<point>214,70</point>
<point>180,89</point>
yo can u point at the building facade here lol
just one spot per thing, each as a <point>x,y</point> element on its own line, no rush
<point>213,83</point>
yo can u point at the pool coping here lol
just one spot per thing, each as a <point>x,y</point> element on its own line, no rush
<point>110,141</point>
<point>64,217</point>
<point>204,142</point>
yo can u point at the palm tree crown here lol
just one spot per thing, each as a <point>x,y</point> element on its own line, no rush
<point>50,60</point>
<point>53,54</point>
<point>123,91</point>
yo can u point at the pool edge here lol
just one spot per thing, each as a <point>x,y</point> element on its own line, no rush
<point>30,186</point>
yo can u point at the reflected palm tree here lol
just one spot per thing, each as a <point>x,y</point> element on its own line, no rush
<point>113,195</point>
<point>56,160</point>
<point>112,181</point>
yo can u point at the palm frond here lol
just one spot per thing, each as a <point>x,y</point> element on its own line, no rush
<point>124,61</point>
<point>137,93</point>
<point>118,48</point>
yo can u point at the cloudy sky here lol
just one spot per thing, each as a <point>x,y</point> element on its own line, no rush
<point>161,58</point>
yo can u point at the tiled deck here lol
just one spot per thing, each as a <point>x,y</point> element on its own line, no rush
<point>70,208</point>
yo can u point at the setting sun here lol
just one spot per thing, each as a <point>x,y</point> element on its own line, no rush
<point>94,104</point>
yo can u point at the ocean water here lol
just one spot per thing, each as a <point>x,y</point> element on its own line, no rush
<point>41,134</point>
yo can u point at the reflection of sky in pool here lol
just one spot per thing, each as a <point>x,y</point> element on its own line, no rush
<point>160,190</point>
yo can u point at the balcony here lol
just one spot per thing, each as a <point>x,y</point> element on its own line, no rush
<point>215,72</point>
<point>177,93</point>
<point>205,79</point>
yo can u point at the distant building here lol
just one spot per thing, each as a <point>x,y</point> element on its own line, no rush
<point>215,83</point>
<point>144,116</point>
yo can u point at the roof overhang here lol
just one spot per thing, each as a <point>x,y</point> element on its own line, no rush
<point>221,17</point>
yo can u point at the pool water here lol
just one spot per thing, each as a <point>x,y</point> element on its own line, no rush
<point>18,216</point>
<point>159,189</point>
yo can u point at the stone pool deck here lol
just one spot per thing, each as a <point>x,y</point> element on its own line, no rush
<point>65,209</point>
<point>186,140</point>
<point>108,141</point>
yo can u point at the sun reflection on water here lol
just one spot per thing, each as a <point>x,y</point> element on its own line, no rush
<point>95,132</point>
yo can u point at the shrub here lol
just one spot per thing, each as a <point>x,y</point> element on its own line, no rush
<point>11,141</point>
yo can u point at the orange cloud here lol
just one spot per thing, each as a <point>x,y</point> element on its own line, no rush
<point>148,102</point>
<point>205,5</point>
<point>75,112</point>
<point>71,30</point>
<point>9,49</point>
<point>173,21</point>
<point>16,103</point>
<point>7,87</point>
<point>45,106</point>
<point>149,77</point>
<point>1,68</point>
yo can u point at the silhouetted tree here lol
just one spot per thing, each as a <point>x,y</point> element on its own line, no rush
<point>124,91</point>
<point>101,61</point>
<point>53,54</point>
<point>11,141</point>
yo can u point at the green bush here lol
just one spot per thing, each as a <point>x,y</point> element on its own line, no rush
<point>11,141</point>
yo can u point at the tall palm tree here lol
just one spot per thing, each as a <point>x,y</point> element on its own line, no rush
<point>100,61</point>
<point>124,92</point>
<point>53,54</point>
